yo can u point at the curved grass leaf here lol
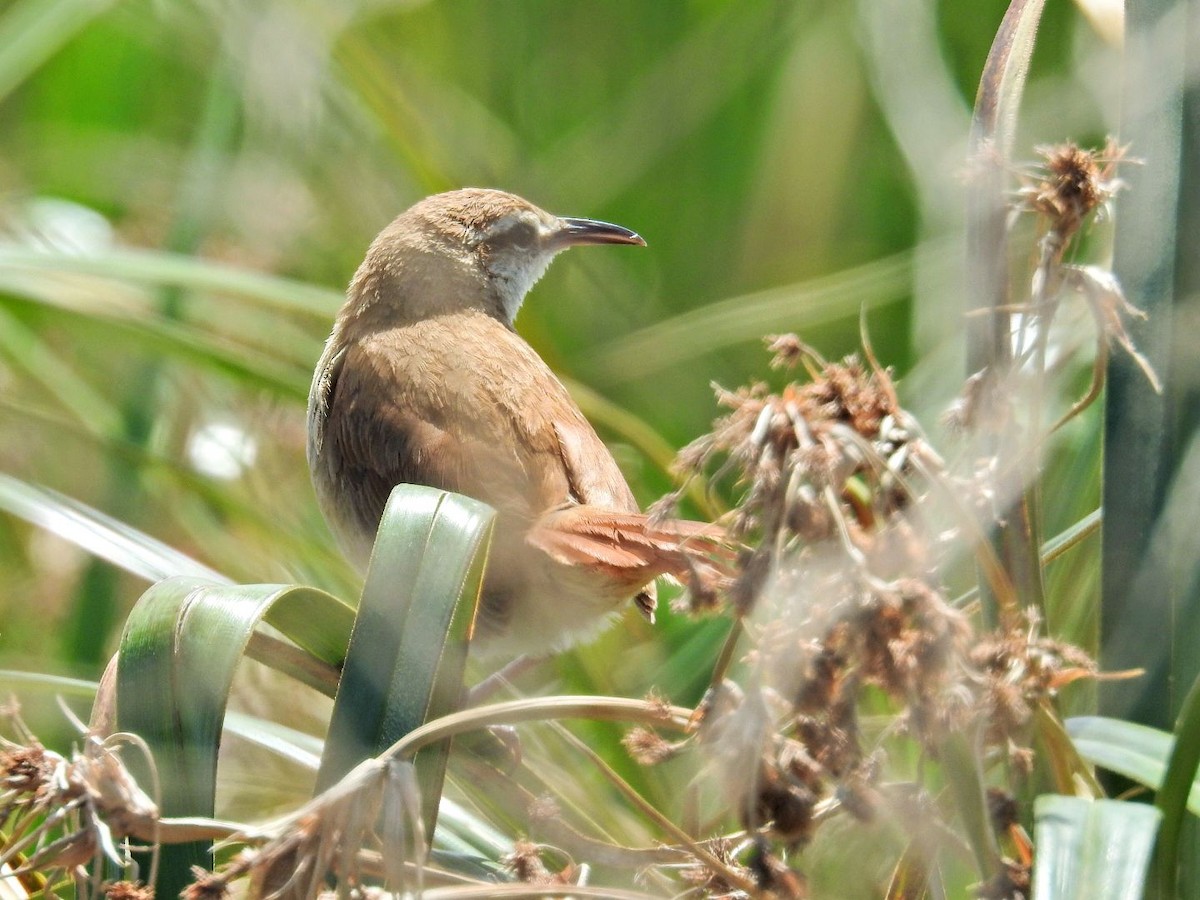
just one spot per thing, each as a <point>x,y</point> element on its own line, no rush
<point>993,124</point>
<point>406,657</point>
<point>1091,849</point>
<point>181,644</point>
<point>288,743</point>
<point>1138,752</point>
<point>1003,79</point>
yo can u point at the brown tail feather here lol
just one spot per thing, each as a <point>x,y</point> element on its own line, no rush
<point>630,549</point>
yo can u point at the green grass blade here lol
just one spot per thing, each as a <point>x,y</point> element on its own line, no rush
<point>314,621</point>
<point>287,743</point>
<point>99,534</point>
<point>1003,80</point>
<point>1016,536</point>
<point>406,657</point>
<point>1177,784</point>
<point>182,341</point>
<point>164,269</point>
<point>32,31</point>
<point>794,307</point>
<point>181,644</point>
<point>1147,561</point>
<point>1091,849</point>
<point>1157,760</point>
<point>1138,752</point>
<point>302,749</point>
<point>960,759</point>
<point>42,681</point>
<point>28,352</point>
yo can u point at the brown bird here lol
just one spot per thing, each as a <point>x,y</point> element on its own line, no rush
<point>424,380</point>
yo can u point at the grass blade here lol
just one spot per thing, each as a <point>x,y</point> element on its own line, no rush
<point>1091,849</point>
<point>1145,557</point>
<point>32,31</point>
<point>161,268</point>
<point>1177,783</point>
<point>675,341</point>
<point>1138,752</point>
<point>406,656</point>
<point>181,644</point>
<point>99,534</point>
<point>989,350</point>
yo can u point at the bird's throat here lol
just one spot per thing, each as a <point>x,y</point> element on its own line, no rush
<point>513,278</point>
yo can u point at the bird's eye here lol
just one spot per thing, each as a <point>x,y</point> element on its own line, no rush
<point>521,234</point>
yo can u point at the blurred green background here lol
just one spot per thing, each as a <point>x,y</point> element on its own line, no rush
<point>186,187</point>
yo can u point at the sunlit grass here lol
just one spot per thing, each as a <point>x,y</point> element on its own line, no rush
<point>789,166</point>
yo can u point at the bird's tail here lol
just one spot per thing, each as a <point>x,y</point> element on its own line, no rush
<point>631,550</point>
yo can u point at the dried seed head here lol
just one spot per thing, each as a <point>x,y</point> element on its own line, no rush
<point>691,458</point>
<point>1073,184</point>
<point>647,747</point>
<point>1012,883</point>
<point>28,770</point>
<point>1002,809</point>
<point>128,890</point>
<point>710,882</point>
<point>773,876</point>
<point>205,886</point>
<point>661,705</point>
<point>525,863</point>
<point>1019,670</point>
<point>788,350</point>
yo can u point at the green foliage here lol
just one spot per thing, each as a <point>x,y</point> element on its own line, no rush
<point>181,645</point>
<point>1092,848</point>
<point>405,662</point>
<point>187,186</point>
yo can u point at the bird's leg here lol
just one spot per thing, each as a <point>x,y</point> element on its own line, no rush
<point>501,677</point>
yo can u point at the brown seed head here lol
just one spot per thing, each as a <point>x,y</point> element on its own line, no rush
<point>27,769</point>
<point>1075,183</point>
<point>128,890</point>
<point>647,747</point>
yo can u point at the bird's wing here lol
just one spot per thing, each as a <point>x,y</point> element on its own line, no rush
<point>462,403</point>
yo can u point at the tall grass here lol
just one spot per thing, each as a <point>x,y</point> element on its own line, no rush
<point>187,187</point>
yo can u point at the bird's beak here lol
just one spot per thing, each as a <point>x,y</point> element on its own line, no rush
<point>589,231</point>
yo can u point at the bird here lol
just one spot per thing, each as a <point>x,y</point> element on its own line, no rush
<point>425,380</point>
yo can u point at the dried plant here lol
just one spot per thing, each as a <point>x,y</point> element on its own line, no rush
<point>843,512</point>
<point>1073,186</point>
<point>849,517</point>
<point>60,817</point>
<point>375,806</point>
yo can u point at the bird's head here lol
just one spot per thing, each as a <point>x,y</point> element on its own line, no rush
<point>486,242</point>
